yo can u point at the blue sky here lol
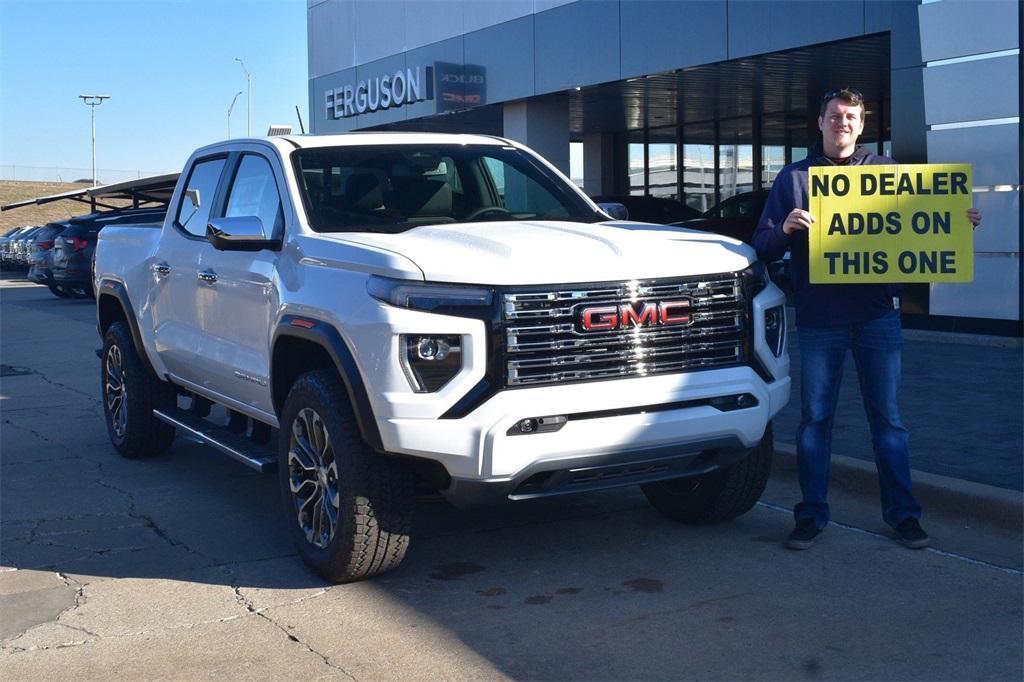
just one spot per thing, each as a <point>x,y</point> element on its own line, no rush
<point>168,65</point>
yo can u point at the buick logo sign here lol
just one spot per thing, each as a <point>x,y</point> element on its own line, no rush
<point>629,316</point>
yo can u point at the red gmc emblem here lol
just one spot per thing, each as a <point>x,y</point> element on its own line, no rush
<point>651,314</point>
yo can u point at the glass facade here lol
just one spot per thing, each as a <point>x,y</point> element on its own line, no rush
<point>699,165</point>
<point>637,163</point>
<point>735,157</point>
<point>706,162</point>
<point>662,168</point>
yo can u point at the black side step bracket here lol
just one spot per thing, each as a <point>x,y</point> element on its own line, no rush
<point>258,457</point>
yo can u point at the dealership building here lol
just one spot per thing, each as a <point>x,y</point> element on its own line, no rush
<point>700,100</point>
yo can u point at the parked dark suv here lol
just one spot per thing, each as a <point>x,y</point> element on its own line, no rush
<point>41,257</point>
<point>734,217</point>
<point>737,217</point>
<point>73,249</point>
<point>648,209</point>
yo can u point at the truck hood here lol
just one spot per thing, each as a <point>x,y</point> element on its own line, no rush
<point>534,252</point>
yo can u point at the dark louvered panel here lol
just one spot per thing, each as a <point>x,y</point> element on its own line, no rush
<point>547,339</point>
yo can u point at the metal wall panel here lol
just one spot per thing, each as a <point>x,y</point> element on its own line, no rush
<point>330,34</point>
<point>431,22</point>
<point>795,23</point>
<point>505,53</point>
<point>905,45</point>
<point>1000,227</point>
<point>878,15</point>
<point>379,30</point>
<point>478,15</point>
<point>972,91</point>
<point>562,62</point>
<point>994,293</point>
<point>993,150</point>
<point>906,116</point>
<point>545,5</point>
<point>748,21</point>
<point>956,28</point>
<point>662,36</point>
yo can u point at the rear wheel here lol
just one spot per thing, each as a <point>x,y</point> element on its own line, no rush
<point>58,291</point>
<point>130,393</point>
<point>348,508</point>
<point>718,496</point>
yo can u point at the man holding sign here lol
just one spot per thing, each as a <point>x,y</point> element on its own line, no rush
<point>857,310</point>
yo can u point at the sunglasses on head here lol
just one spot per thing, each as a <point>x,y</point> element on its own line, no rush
<point>832,94</point>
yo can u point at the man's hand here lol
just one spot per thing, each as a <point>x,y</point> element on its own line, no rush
<point>799,219</point>
<point>973,214</point>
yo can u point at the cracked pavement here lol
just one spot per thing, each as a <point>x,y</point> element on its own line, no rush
<point>179,567</point>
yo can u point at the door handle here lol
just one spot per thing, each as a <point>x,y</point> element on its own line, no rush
<point>208,276</point>
<point>161,269</point>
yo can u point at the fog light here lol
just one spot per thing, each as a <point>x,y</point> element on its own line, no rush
<point>538,425</point>
<point>431,348</point>
<point>430,362</point>
<point>775,329</point>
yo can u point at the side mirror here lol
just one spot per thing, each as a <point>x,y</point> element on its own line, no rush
<point>615,210</point>
<point>242,233</point>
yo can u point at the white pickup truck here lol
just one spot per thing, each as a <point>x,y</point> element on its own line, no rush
<point>446,312</point>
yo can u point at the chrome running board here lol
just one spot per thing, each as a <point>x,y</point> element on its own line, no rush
<point>237,447</point>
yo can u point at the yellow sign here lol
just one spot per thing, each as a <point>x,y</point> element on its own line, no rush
<point>905,223</point>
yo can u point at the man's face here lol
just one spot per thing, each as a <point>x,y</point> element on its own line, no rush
<point>841,125</point>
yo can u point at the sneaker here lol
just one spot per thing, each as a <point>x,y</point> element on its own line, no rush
<point>803,534</point>
<point>910,533</point>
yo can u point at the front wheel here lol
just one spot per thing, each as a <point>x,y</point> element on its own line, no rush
<point>58,291</point>
<point>348,508</point>
<point>717,496</point>
<point>130,392</point>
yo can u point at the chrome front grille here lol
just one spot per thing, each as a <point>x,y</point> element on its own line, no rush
<point>544,341</point>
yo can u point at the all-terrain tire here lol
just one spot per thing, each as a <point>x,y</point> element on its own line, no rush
<point>347,508</point>
<point>130,393</point>
<point>717,496</point>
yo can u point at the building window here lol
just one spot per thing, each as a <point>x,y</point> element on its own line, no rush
<point>662,176</point>
<point>735,157</point>
<point>699,165</point>
<point>576,163</point>
<point>637,180</point>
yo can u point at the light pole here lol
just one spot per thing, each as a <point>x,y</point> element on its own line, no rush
<point>248,97</point>
<point>93,101</point>
<point>235,99</point>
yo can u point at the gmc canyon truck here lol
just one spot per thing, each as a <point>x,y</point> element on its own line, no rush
<point>407,311</point>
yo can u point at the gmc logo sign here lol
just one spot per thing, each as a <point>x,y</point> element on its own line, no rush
<point>652,314</point>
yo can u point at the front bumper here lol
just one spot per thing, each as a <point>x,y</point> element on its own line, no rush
<point>607,423</point>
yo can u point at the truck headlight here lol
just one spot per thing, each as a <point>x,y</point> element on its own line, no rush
<point>775,329</point>
<point>430,362</point>
<point>426,295</point>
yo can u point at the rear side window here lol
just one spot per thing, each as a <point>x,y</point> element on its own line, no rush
<point>194,210</point>
<point>254,193</point>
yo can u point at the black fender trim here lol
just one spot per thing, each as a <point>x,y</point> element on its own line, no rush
<point>325,335</point>
<point>115,289</point>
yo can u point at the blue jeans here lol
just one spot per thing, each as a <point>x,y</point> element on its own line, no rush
<point>877,347</point>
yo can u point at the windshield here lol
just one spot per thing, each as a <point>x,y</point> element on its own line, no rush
<point>384,188</point>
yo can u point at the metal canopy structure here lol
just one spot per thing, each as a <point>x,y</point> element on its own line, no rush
<point>788,82</point>
<point>156,189</point>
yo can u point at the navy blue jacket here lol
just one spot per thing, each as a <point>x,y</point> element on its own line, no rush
<point>817,305</point>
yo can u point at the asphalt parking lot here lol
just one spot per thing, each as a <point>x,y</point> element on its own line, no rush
<point>179,567</point>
